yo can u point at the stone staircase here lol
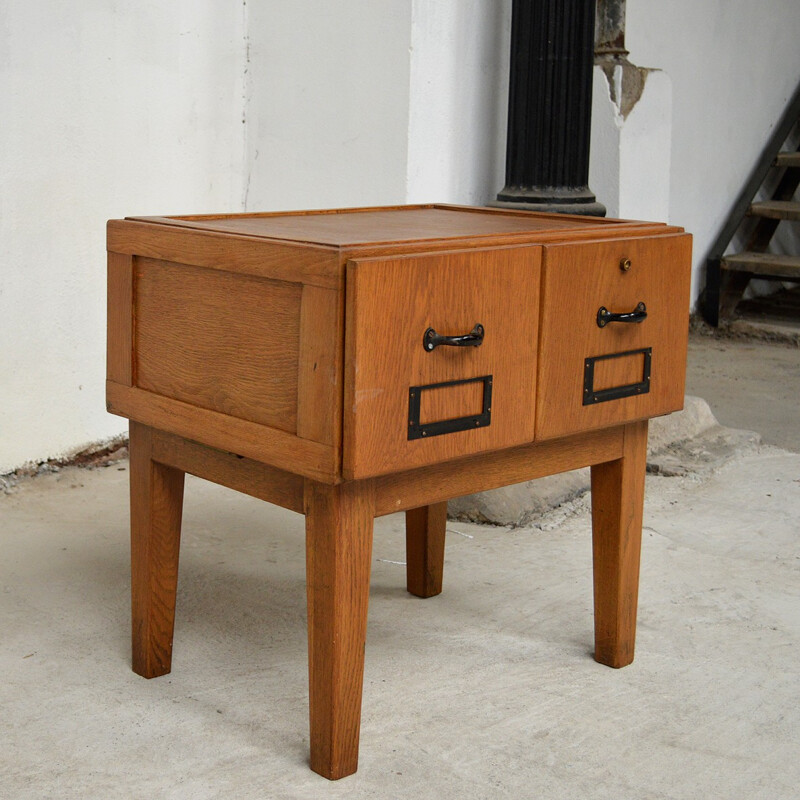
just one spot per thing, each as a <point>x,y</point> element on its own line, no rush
<point>727,275</point>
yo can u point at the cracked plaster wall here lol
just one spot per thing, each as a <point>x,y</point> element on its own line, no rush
<point>631,141</point>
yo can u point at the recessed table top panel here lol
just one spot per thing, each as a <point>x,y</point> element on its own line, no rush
<point>347,227</point>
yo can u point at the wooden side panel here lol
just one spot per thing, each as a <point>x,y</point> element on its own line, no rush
<point>390,305</point>
<point>217,340</point>
<point>288,261</point>
<point>319,376</point>
<point>268,445</point>
<point>578,280</point>
<point>119,328</point>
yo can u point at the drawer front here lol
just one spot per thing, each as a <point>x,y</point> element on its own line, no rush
<point>602,361</point>
<point>411,401</point>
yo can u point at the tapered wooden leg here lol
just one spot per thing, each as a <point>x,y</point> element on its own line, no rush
<point>156,506</point>
<point>339,521</point>
<point>425,533</point>
<point>617,504</point>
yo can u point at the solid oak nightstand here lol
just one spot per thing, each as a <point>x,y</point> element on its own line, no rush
<point>349,364</point>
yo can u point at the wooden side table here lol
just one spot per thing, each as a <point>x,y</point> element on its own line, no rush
<point>351,364</point>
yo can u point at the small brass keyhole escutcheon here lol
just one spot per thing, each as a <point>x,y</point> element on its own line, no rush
<point>625,264</point>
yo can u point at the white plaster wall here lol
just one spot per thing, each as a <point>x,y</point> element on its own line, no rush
<point>106,109</point>
<point>733,66</point>
<point>459,100</point>
<point>328,99</point>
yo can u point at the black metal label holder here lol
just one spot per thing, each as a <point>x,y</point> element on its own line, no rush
<point>590,396</point>
<point>416,430</point>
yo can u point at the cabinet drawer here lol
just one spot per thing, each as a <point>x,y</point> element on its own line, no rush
<point>406,405</point>
<point>596,370</point>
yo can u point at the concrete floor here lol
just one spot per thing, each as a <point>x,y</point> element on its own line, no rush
<point>486,691</point>
<point>749,384</point>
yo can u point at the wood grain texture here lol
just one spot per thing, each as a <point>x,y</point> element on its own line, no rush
<point>617,507</point>
<point>287,261</point>
<point>339,522</point>
<point>276,486</point>
<point>451,402</point>
<point>390,304</point>
<point>440,482</point>
<point>625,230</point>
<point>425,536</point>
<point>119,328</point>
<point>614,372</point>
<point>659,277</point>
<point>395,224</point>
<point>156,508</point>
<point>228,343</point>
<point>268,445</point>
<point>319,369</point>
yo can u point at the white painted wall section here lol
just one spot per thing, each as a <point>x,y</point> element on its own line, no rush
<point>459,99</point>
<point>327,115</point>
<point>106,109</point>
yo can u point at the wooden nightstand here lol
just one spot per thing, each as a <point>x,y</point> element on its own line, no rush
<point>349,364</point>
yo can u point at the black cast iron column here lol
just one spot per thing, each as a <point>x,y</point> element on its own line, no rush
<point>550,107</point>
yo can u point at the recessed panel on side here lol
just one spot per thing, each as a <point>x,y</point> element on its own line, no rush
<point>218,340</point>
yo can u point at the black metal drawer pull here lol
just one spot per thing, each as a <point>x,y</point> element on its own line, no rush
<point>604,316</point>
<point>431,340</point>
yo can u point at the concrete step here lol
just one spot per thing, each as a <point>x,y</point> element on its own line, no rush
<point>776,209</point>
<point>788,159</point>
<point>767,265</point>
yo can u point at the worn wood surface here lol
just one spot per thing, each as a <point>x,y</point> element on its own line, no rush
<point>156,507</point>
<point>220,341</point>
<point>119,330</point>
<point>776,209</point>
<point>659,277</point>
<point>339,522</point>
<point>781,265</point>
<point>390,304</point>
<point>788,159</point>
<point>425,535</point>
<point>249,439</point>
<point>617,506</point>
<point>276,486</point>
